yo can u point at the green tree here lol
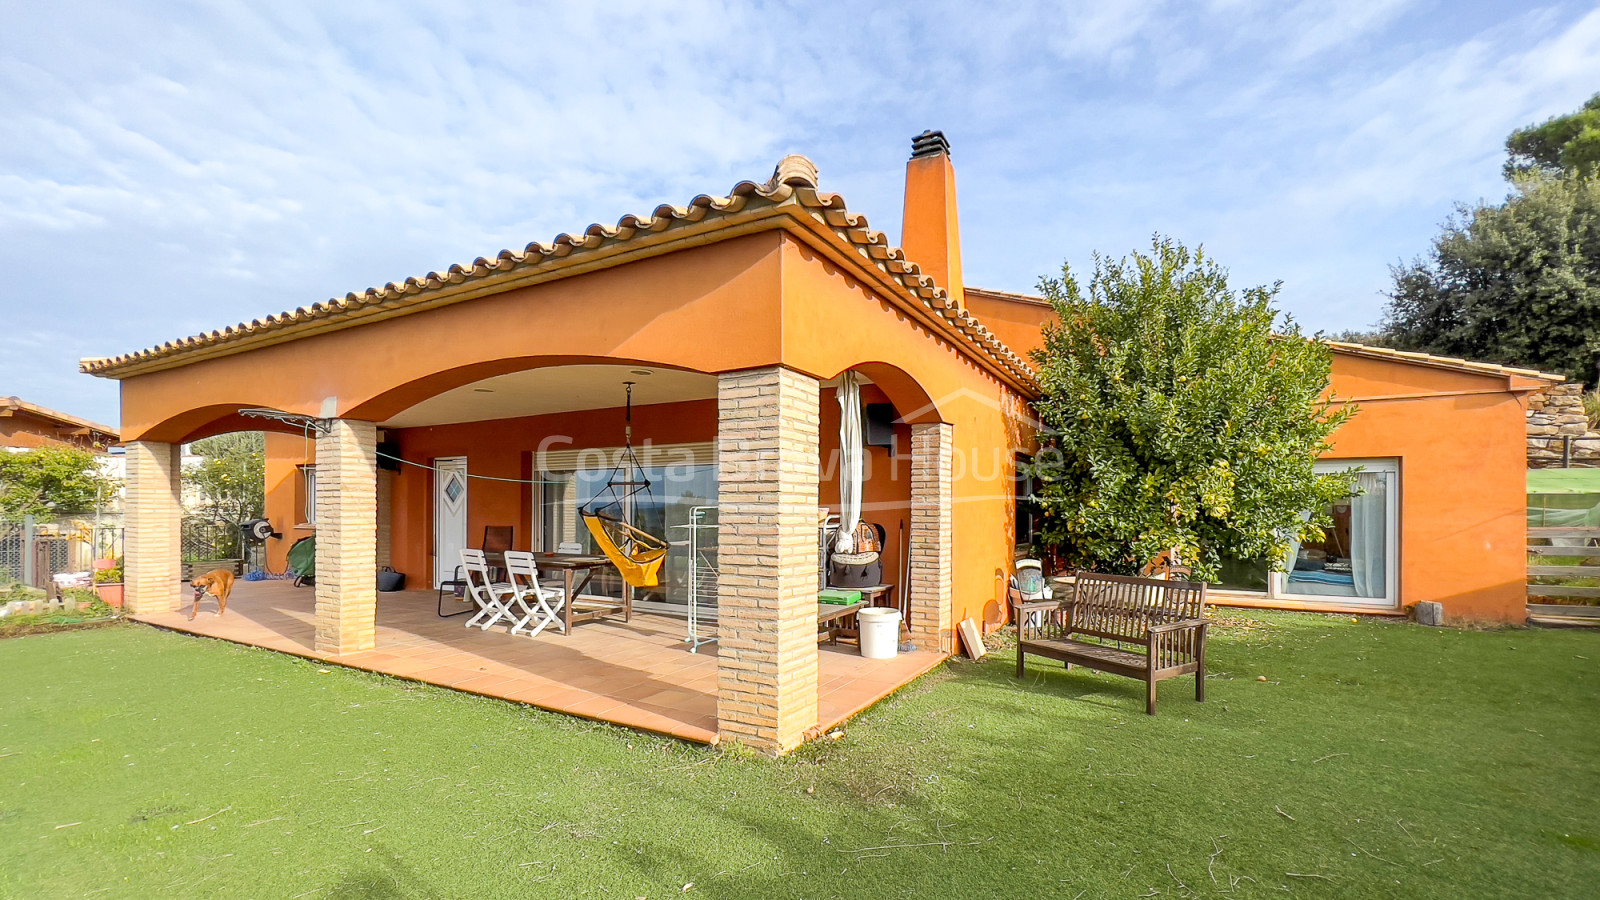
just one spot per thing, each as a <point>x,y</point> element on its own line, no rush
<point>50,481</point>
<point>1561,144</point>
<point>231,476</point>
<point>1517,283</point>
<point>1179,417</point>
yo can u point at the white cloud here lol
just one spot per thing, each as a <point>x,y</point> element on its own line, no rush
<point>178,169</point>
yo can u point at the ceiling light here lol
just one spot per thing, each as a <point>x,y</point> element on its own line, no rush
<point>641,372</point>
<point>483,390</point>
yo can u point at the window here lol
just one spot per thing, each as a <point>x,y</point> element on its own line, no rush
<point>1028,512</point>
<point>1356,562</point>
<point>308,489</point>
<point>682,479</point>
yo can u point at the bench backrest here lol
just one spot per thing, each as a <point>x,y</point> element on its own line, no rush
<point>1122,608</point>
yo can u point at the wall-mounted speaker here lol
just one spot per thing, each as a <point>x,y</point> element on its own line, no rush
<point>877,425</point>
<point>389,455</point>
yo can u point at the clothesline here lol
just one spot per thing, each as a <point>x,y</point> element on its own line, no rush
<point>469,474</point>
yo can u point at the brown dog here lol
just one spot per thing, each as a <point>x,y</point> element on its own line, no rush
<point>218,583</point>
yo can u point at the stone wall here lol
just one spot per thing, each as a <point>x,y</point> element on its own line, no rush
<point>1556,415</point>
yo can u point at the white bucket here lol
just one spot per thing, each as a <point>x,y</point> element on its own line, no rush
<point>880,632</point>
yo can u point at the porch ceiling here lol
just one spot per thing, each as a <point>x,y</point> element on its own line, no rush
<point>557,389</point>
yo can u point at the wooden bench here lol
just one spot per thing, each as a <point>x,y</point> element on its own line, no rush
<point>1138,627</point>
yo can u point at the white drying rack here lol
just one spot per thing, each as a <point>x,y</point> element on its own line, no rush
<point>702,570</point>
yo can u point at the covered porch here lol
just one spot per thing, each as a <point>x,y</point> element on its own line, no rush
<point>736,317</point>
<point>639,674</point>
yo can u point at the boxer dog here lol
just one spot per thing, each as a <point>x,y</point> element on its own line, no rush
<point>217,583</point>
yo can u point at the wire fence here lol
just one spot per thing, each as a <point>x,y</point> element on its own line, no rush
<point>207,539</point>
<point>33,553</point>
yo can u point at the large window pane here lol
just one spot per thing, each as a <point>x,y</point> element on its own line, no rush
<point>675,491</point>
<point>1352,558</point>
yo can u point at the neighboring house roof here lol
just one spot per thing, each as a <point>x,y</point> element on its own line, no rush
<point>1442,362</point>
<point>11,406</point>
<point>788,200</point>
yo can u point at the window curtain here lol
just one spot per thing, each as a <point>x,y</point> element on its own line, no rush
<point>1369,509</point>
<point>851,450</point>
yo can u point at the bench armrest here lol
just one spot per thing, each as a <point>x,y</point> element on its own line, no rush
<point>1180,625</point>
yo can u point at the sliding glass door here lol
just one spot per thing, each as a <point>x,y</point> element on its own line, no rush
<point>666,511</point>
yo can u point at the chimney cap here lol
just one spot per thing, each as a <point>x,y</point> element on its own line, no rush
<point>929,143</point>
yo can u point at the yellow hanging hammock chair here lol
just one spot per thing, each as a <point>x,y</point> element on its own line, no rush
<point>637,554</point>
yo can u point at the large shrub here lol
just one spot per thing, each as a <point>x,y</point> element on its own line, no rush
<point>1179,417</point>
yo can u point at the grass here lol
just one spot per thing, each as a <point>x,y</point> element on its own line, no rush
<point>1377,759</point>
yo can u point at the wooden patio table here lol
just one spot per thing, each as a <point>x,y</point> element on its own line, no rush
<point>594,609</point>
<point>831,618</point>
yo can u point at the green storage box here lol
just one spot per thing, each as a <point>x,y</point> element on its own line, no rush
<point>838,597</point>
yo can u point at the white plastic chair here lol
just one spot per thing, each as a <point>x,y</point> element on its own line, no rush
<point>534,599</point>
<point>489,597</point>
<point>1029,585</point>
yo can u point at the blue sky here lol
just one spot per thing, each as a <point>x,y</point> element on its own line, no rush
<point>180,167</point>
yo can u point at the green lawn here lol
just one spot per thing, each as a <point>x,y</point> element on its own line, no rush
<point>1377,760</point>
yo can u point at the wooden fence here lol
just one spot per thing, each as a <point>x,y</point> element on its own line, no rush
<point>1564,564</point>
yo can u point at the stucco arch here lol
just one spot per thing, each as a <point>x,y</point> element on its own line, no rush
<point>911,402</point>
<point>209,421</point>
<point>404,395</point>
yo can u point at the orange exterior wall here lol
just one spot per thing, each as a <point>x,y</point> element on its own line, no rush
<point>714,308</point>
<point>24,430</point>
<point>285,494</point>
<point>1015,321</point>
<point>1463,480</point>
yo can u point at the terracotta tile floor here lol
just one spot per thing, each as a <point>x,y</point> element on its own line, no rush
<point>638,674</point>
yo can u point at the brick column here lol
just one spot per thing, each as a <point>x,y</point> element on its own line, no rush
<point>152,549</point>
<point>767,470</point>
<point>347,537</point>
<point>932,496</point>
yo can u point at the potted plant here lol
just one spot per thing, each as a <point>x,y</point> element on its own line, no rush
<point>108,581</point>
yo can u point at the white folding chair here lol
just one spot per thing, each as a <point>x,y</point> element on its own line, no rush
<point>537,601</point>
<point>1029,584</point>
<point>489,597</point>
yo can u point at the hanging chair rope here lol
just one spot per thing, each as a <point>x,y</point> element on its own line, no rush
<point>637,554</point>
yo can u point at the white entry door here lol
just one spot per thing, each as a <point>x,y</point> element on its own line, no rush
<point>449,516</point>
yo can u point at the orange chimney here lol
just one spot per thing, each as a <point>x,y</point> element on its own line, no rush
<point>930,233</point>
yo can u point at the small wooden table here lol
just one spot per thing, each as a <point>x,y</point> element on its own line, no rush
<point>871,595</point>
<point>831,617</point>
<point>594,608</point>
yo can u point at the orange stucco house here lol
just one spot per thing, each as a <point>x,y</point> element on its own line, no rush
<point>492,394</point>
<point>1441,443</point>
<point>29,426</point>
